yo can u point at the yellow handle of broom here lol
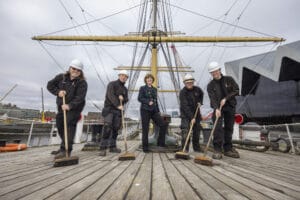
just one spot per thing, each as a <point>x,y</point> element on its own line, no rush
<point>191,128</point>
<point>65,128</point>
<point>123,125</point>
<point>212,133</point>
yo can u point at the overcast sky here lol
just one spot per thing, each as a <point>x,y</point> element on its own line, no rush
<point>26,63</point>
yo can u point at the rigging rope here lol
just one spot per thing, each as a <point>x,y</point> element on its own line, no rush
<point>60,67</point>
<point>73,21</point>
<point>95,46</point>
<point>211,18</point>
<point>95,20</point>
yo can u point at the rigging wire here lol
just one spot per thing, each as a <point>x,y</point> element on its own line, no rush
<point>95,20</point>
<point>237,21</point>
<point>211,18</point>
<point>95,46</point>
<point>73,21</point>
<point>218,33</point>
<point>60,67</point>
<point>168,26</point>
<point>51,56</point>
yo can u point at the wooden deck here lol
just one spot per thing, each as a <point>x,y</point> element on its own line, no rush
<point>30,175</point>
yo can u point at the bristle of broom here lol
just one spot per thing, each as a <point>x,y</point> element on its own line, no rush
<point>182,155</point>
<point>203,160</point>
<point>127,156</point>
<point>73,160</point>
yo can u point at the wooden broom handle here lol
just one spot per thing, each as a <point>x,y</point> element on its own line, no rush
<point>191,127</point>
<point>212,132</point>
<point>65,128</point>
<point>123,125</point>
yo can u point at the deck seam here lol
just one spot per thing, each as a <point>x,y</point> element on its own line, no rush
<point>167,177</point>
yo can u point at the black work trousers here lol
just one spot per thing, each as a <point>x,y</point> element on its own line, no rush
<point>223,135</point>
<point>158,120</point>
<point>72,119</point>
<point>112,124</point>
<point>185,127</point>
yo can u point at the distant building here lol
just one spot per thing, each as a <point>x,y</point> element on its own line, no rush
<point>269,85</point>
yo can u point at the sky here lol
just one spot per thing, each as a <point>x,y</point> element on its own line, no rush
<point>31,64</point>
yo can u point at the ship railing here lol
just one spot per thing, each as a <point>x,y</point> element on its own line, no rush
<point>290,132</point>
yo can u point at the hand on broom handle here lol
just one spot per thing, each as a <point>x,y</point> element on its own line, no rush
<point>123,124</point>
<point>191,127</point>
<point>212,131</point>
<point>65,128</point>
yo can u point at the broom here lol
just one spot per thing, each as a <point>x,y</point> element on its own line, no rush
<point>126,155</point>
<point>182,154</point>
<point>73,160</point>
<point>203,159</point>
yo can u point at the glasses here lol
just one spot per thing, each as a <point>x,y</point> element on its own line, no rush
<point>189,83</point>
<point>78,70</point>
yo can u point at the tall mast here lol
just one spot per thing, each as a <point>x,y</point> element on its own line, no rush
<point>154,44</point>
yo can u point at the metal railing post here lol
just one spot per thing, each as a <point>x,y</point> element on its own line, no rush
<point>290,138</point>
<point>30,133</point>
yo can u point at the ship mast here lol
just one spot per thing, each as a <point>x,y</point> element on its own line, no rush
<point>154,44</point>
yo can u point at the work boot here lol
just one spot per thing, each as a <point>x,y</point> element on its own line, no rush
<point>198,150</point>
<point>55,152</point>
<point>232,153</point>
<point>102,153</point>
<point>115,150</point>
<point>61,154</point>
<point>217,155</point>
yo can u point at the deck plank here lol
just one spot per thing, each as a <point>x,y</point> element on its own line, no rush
<point>161,188</point>
<point>203,190</point>
<point>275,184</point>
<point>124,182</point>
<point>219,186</point>
<point>29,175</point>
<point>255,186</point>
<point>49,182</point>
<point>141,186</point>
<point>180,187</point>
<point>235,185</point>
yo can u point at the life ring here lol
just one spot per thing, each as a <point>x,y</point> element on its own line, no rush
<point>13,147</point>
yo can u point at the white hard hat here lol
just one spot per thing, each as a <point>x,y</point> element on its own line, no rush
<point>213,66</point>
<point>124,72</point>
<point>76,64</point>
<point>188,78</point>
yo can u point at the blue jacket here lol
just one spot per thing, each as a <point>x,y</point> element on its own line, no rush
<point>147,94</point>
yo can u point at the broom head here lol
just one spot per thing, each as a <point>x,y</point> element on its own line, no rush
<point>203,160</point>
<point>127,156</point>
<point>182,155</point>
<point>73,160</point>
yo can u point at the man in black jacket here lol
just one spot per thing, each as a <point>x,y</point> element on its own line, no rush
<point>222,91</point>
<point>115,94</point>
<point>73,86</point>
<point>190,96</point>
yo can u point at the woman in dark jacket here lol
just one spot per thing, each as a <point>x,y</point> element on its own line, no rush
<point>73,86</point>
<point>149,110</point>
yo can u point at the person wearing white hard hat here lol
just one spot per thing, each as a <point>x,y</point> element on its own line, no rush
<point>115,98</point>
<point>73,86</point>
<point>190,96</point>
<point>222,91</point>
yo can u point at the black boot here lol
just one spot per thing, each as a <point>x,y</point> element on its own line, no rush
<point>55,152</point>
<point>102,152</point>
<point>115,150</point>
